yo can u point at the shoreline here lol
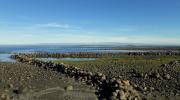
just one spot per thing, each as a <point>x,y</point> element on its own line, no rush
<point>161,83</point>
<point>109,83</point>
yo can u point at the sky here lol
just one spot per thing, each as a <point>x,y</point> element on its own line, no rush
<point>90,21</point>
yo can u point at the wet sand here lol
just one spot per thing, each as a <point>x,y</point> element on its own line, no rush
<point>25,82</point>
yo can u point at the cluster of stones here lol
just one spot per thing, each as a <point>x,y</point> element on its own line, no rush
<point>166,53</point>
<point>64,55</point>
<point>123,90</point>
<point>108,88</point>
<point>164,72</point>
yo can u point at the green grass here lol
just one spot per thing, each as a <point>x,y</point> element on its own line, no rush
<point>117,63</point>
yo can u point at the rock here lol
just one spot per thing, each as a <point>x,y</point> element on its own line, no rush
<point>145,76</point>
<point>118,81</point>
<point>145,88</point>
<point>103,77</point>
<point>5,97</point>
<point>117,91</point>
<point>103,99</point>
<point>112,98</point>
<point>141,74</point>
<point>90,73</point>
<point>126,82</point>
<point>112,80</point>
<point>136,98</point>
<point>10,86</point>
<point>157,75</point>
<point>95,99</point>
<point>89,82</point>
<point>164,65</point>
<point>99,74</point>
<point>154,74</point>
<point>69,88</point>
<point>114,94</point>
<point>151,88</point>
<point>167,76</point>
<point>122,95</point>
<point>135,85</point>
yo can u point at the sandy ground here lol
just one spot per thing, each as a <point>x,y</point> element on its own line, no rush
<point>24,82</point>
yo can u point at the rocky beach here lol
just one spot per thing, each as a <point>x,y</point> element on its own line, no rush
<point>26,82</point>
<point>161,83</point>
<point>91,75</point>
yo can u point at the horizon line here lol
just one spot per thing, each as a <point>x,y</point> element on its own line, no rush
<point>98,43</point>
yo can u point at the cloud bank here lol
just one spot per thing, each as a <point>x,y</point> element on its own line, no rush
<point>62,38</point>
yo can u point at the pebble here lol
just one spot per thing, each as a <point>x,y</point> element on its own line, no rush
<point>69,88</point>
<point>99,74</point>
<point>126,82</point>
<point>5,97</point>
<point>113,98</point>
<point>114,94</point>
<point>103,77</point>
<point>122,95</point>
<point>167,77</point>
<point>151,88</point>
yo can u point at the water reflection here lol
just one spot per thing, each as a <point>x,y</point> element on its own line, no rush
<point>6,58</point>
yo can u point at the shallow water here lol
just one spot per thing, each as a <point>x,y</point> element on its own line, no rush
<point>66,59</point>
<point>6,58</point>
<point>8,49</point>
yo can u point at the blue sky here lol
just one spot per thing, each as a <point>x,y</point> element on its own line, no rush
<point>90,21</point>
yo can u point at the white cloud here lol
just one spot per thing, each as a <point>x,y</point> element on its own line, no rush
<point>53,25</point>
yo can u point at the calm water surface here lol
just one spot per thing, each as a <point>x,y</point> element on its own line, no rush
<point>6,58</point>
<point>7,50</point>
<point>59,49</point>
